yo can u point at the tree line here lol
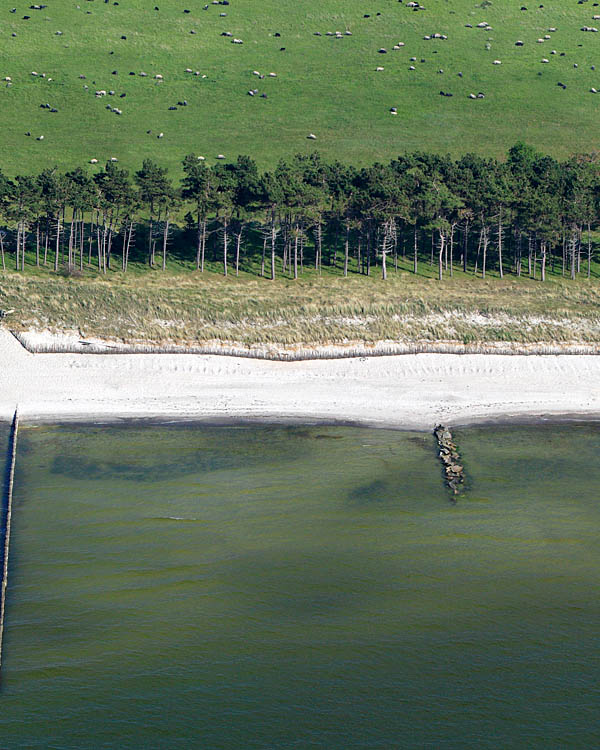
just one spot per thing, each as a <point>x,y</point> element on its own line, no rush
<point>518,215</point>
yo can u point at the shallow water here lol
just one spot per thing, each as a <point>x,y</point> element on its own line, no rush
<point>272,587</point>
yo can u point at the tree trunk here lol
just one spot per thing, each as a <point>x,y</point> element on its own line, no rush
<point>319,247</point>
<point>165,239</point>
<point>441,257</point>
<point>46,241</point>
<point>478,251</point>
<point>150,243</point>
<point>415,252</point>
<point>486,242</point>
<point>57,242</point>
<point>543,249</point>
<point>335,244</point>
<point>273,237</point>
<point>346,249</point>
<point>81,241</point>
<point>296,252</point>
<point>500,246</point>
<point>198,242</point>
<point>70,250</point>
<point>225,246</point>
<point>238,243</point>
<point>18,248</point>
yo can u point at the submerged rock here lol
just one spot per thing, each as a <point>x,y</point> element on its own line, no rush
<point>450,457</point>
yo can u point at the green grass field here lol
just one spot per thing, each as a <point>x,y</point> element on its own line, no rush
<point>324,85</point>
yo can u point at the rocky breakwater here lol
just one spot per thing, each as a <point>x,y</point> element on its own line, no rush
<point>450,458</point>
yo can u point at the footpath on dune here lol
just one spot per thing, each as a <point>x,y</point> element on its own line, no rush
<point>412,391</point>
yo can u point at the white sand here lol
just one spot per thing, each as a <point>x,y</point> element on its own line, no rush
<point>408,391</point>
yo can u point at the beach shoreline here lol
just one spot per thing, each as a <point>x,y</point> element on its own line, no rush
<point>411,392</point>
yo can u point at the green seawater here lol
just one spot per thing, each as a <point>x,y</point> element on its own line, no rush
<point>279,587</point>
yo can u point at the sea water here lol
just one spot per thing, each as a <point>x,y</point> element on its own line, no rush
<point>247,587</point>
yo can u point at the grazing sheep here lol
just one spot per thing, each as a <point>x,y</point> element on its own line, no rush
<point>220,156</point>
<point>497,62</point>
<point>312,137</point>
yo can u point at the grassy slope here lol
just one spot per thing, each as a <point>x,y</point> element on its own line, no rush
<point>324,85</point>
<point>184,306</point>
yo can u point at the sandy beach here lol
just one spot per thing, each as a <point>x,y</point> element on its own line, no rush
<point>412,391</point>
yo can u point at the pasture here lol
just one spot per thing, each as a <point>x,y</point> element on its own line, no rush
<point>325,85</point>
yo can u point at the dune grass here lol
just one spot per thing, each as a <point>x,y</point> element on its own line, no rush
<point>185,307</point>
<point>324,85</point>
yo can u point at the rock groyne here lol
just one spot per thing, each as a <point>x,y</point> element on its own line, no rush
<point>454,473</point>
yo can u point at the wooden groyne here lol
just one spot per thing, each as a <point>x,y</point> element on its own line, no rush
<point>454,473</point>
<point>7,517</point>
